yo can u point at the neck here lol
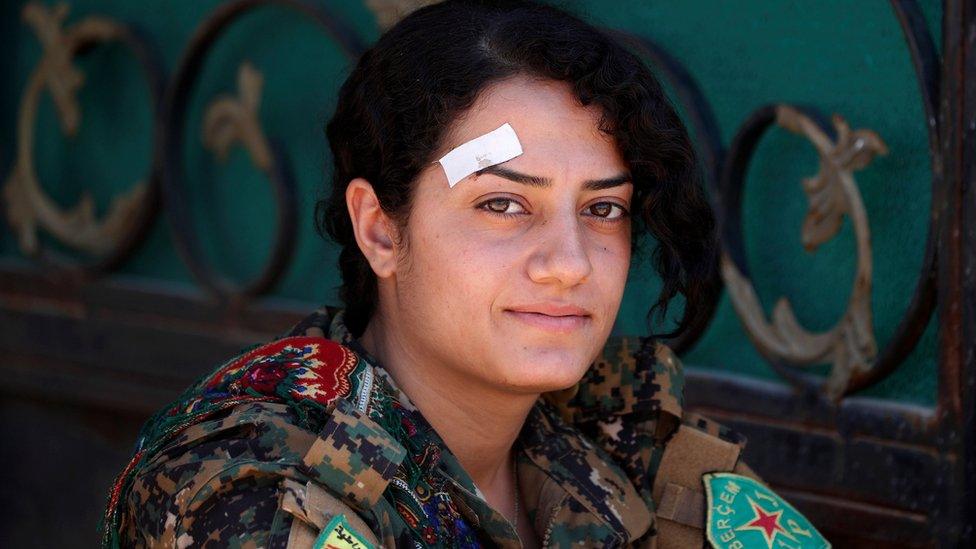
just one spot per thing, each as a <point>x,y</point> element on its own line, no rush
<point>477,422</point>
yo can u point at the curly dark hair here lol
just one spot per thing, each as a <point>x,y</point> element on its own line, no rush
<point>422,74</point>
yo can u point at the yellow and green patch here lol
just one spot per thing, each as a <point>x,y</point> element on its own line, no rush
<point>337,534</point>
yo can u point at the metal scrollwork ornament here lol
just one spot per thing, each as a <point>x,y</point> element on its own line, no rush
<point>832,193</point>
<point>28,208</point>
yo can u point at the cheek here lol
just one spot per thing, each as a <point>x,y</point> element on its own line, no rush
<point>612,255</point>
<point>459,269</point>
<point>611,261</point>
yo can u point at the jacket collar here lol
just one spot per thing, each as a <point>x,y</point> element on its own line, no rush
<point>555,460</point>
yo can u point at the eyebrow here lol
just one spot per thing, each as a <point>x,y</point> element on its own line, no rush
<point>536,181</point>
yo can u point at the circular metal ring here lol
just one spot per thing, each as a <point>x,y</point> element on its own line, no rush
<point>277,168</point>
<point>910,328</point>
<point>108,241</point>
<point>850,343</point>
<point>925,61</point>
<point>729,197</point>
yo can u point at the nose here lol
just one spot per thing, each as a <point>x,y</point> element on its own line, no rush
<point>561,256</point>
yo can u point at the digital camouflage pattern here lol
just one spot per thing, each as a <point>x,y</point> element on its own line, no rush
<point>279,441</point>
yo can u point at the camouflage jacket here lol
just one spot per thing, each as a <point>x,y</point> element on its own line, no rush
<point>308,440</point>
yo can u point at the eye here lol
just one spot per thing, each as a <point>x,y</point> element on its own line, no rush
<point>607,210</point>
<point>503,206</point>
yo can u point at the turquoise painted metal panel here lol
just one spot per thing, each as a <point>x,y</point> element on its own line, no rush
<point>840,57</point>
<point>848,58</point>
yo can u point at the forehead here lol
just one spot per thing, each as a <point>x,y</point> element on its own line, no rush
<point>552,126</point>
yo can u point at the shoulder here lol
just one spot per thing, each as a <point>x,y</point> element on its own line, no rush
<point>236,460</point>
<point>634,395</point>
<point>272,436</point>
<point>297,370</point>
<point>703,489</point>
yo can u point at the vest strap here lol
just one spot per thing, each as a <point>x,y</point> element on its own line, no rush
<point>678,490</point>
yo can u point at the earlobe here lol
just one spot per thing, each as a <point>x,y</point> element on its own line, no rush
<point>372,227</point>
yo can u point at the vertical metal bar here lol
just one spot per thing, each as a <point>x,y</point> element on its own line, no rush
<point>957,270</point>
<point>967,282</point>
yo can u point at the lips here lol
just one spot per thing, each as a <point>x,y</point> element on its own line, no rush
<point>552,317</point>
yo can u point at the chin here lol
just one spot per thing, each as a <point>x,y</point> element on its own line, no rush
<point>550,370</point>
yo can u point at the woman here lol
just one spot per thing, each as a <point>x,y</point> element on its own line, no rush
<point>481,270</point>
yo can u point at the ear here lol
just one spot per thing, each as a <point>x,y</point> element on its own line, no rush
<point>373,228</point>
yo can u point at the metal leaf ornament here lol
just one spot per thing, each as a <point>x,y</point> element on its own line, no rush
<point>231,120</point>
<point>825,192</point>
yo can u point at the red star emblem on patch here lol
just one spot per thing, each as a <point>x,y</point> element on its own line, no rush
<point>766,523</point>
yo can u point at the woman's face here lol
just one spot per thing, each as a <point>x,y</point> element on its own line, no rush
<point>514,276</point>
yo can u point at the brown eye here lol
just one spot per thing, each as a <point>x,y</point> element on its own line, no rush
<point>606,210</point>
<point>602,209</point>
<point>505,206</point>
<point>498,205</point>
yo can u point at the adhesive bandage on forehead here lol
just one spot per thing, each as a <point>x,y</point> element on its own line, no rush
<point>492,148</point>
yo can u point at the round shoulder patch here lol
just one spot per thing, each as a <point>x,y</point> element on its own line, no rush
<point>745,514</point>
<point>296,368</point>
